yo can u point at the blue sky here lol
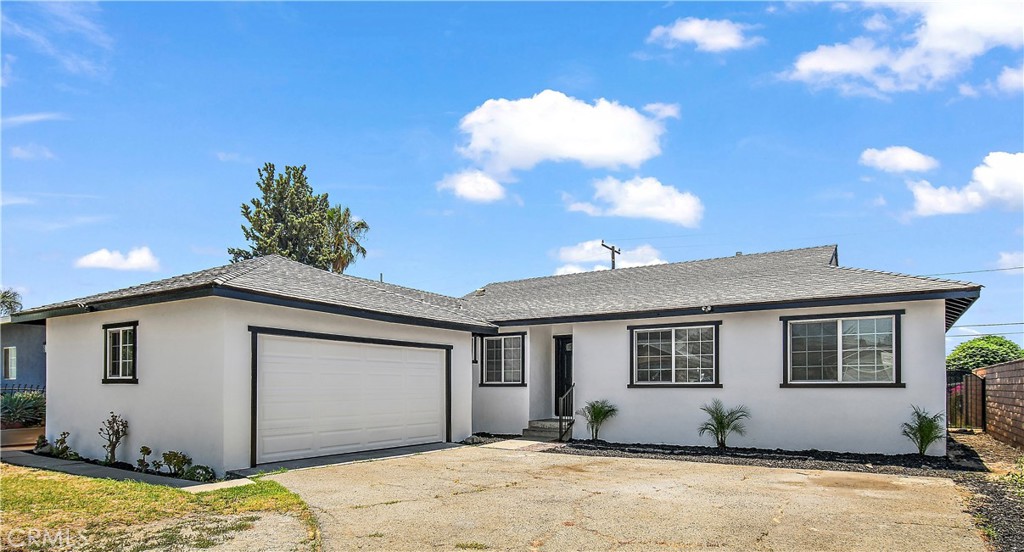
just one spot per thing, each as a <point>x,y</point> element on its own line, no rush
<point>487,142</point>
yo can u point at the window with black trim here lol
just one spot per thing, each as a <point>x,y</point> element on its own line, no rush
<point>843,350</point>
<point>503,360</point>
<point>10,361</point>
<point>120,365</point>
<point>675,355</point>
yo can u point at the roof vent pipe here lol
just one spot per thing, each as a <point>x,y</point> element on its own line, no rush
<point>739,253</point>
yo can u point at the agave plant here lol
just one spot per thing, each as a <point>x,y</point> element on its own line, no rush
<point>23,409</point>
<point>923,429</point>
<point>597,413</point>
<point>722,422</point>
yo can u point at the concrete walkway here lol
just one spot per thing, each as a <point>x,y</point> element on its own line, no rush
<point>77,467</point>
<point>348,458</point>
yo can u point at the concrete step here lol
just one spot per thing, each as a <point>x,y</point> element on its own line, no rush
<point>541,434</point>
<point>548,423</point>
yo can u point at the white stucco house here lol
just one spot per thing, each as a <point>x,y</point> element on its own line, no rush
<point>267,359</point>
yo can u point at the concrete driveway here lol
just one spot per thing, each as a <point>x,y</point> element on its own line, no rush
<point>475,497</point>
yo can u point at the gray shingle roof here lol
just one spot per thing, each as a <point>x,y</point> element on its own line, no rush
<point>278,277</point>
<point>795,275</point>
<point>783,276</point>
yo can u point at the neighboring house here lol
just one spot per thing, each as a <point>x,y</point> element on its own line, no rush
<point>24,355</point>
<point>268,359</point>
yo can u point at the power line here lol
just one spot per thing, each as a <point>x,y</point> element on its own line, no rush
<point>976,271</point>
<point>984,334</point>
<point>985,325</point>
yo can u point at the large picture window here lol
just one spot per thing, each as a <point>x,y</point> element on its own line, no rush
<point>675,355</point>
<point>503,360</point>
<point>846,349</point>
<point>120,358</point>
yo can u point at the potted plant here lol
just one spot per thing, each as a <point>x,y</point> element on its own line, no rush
<point>22,418</point>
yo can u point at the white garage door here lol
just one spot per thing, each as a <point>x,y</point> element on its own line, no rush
<point>317,397</point>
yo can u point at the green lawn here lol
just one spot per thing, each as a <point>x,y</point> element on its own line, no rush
<point>106,510</point>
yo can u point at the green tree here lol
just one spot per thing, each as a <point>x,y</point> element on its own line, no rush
<point>10,302</point>
<point>290,220</point>
<point>982,351</point>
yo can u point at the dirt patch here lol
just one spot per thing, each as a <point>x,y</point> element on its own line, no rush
<point>855,482</point>
<point>998,457</point>
<point>240,533</point>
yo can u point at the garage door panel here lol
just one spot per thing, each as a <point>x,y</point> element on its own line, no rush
<point>319,397</point>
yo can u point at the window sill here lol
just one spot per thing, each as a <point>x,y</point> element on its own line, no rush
<point>674,386</point>
<point>121,380</point>
<point>502,385</point>
<point>842,385</point>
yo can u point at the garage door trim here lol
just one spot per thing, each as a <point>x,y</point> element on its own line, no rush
<point>256,331</point>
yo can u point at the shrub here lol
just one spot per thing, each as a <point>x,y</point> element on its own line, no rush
<point>982,351</point>
<point>141,462</point>
<point>61,448</point>
<point>114,429</point>
<point>923,429</point>
<point>1016,477</point>
<point>597,413</point>
<point>23,409</point>
<point>176,462</point>
<point>722,422</point>
<point>200,473</point>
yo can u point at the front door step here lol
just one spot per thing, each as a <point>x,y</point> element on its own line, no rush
<point>542,430</point>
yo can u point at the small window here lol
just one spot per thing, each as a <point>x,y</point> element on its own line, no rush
<point>843,350</point>
<point>120,353</point>
<point>675,355</point>
<point>10,363</point>
<point>503,360</point>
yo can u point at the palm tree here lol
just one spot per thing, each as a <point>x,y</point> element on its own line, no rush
<point>721,421</point>
<point>597,413</point>
<point>343,235</point>
<point>923,429</point>
<point>10,302</point>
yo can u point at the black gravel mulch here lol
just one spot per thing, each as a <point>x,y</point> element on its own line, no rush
<point>997,510</point>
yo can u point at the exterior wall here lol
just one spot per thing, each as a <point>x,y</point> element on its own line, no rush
<point>503,409</point>
<point>194,374</point>
<point>1004,401</point>
<point>30,342</point>
<point>177,403</point>
<point>542,375</point>
<point>750,365</point>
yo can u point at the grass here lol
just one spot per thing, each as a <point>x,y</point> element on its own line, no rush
<point>106,509</point>
<point>471,546</point>
<point>1015,479</point>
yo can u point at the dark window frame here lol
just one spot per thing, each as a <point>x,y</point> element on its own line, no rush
<point>134,325</point>
<point>633,384</point>
<point>6,375</point>
<point>483,360</point>
<point>897,328</point>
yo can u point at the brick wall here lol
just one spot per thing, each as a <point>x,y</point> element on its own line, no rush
<point>1004,401</point>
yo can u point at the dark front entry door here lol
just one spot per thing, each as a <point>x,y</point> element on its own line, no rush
<point>563,368</point>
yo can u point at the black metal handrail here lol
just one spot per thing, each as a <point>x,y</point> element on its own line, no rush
<point>565,413</point>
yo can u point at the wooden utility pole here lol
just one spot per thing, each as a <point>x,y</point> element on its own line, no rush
<point>613,249</point>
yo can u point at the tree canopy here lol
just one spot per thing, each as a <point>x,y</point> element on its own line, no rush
<point>10,301</point>
<point>290,220</point>
<point>982,351</point>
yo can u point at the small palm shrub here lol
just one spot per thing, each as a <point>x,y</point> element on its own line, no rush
<point>722,422</point>
<point>923,429</point>
<point>597,413</point>
<point>23,409</point>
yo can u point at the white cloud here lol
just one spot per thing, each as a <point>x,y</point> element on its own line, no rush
<point>998,180</point>
<point>1010,260</point>
<point>31,152</point>
<point>663,110</point>
<point>473,185</point>
<point>965,89</point>
<point>30,118</point>
<point>139,258</point>
<point>6,200</point>
<point>585,253</point>
<point>7,69</point>
<point>877,23</point>
<point>897,159</point>
<point>232,157</point>
<point>1011,79</point>
<point>506,135</point>
<point>948,36</point>
<point>642,197</point>
<point>879,201</point>
<point>66,32</point>
<point>708,35</point>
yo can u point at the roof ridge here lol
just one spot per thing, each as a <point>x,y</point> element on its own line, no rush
<point>833,246</point>
<point>902,274</point>
<point>253,265</point>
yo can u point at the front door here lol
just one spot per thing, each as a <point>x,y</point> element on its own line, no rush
<point>563,368</point>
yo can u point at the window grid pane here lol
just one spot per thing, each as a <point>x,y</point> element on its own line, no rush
<point>868,353</point>
<point>853,350</point>
<point>503,359</point>
<point>654,356</point>
<point>694,355</point>
<point>813,351</point>
<point>675,355</point>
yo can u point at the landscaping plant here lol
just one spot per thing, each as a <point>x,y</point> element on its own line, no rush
<point>22,409</point>
<point>597,413</point>
<point>722,422</point>
<point>141,462</point>
<point>61,448</point>
<point>176,462</point>
<point>199,473</point>
<point>923,429</point>
<point>114,429</point>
